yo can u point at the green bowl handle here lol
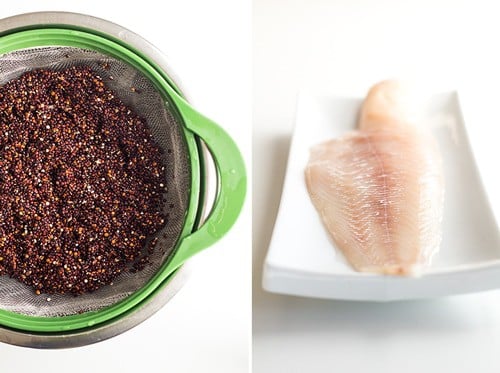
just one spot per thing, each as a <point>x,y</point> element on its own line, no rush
<point>231,183</point>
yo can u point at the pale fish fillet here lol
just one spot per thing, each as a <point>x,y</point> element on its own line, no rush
<point>379,190</point>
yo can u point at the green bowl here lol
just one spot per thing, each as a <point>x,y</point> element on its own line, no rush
<point>229,165</point>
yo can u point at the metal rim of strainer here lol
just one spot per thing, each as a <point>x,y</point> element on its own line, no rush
<point>143,309</point>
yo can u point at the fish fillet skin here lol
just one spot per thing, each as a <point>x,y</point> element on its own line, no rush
<point>379,192</point>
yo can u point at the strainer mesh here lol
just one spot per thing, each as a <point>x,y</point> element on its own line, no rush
<point>147,102</point>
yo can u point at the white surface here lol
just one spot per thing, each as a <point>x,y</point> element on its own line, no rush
<point>346,46</point>
<point>302,259</point>
<point>206,327</point>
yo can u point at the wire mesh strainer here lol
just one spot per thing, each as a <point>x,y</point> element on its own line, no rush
<point>174,124</point>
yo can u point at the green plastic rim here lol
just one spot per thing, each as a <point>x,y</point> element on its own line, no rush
<point>228,162</point>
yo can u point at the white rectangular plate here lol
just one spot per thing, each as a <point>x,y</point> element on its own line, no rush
<point>303,261</point>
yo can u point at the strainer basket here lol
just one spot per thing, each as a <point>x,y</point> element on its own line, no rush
<point>176,126</point>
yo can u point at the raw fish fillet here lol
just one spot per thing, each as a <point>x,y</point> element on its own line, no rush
<point>379,190</point>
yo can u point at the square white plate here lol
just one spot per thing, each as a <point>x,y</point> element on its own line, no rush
<point>302,260</point>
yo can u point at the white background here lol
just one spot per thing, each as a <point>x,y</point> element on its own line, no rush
<point>206,326</point>
<point>345,46</point>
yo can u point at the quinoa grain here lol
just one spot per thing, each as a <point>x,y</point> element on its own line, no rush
<point>81,183</point>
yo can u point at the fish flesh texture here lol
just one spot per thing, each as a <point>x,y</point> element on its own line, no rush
<point>379,190</point>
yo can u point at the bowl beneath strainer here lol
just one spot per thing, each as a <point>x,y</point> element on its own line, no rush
<point>71,38</point>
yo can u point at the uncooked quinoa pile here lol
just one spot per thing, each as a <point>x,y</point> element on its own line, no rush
<point>81,182</point>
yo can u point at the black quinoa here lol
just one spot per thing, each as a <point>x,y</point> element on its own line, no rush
<point>81,182</point>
